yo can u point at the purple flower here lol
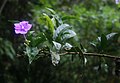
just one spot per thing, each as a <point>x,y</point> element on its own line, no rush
<point>117,1</point>
<point>22,27</point>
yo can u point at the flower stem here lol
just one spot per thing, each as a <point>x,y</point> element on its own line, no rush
<point>24,37</point>
<point>26,41</point>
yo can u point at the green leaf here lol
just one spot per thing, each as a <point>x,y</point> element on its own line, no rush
<point>41,38</point>
<point>109,36</point>
<point>55,57</point>
<point>7,49</point>
<point>59,30</point>
<point>69,17</point>
<point>54,22</point>
<point>49,23</point>
<point>36,39</point>
<point>93,45</point>
<point>57,45</point>
<point>103,41</point>
<point>68,34</point>
<point>58,19</point>
<point>82,48</point>
<point>31,53</point>
<point>51,10</point>
<point>31,32</point>
<point>13,21</point>
<point>67,46</point>
<point>113,36</point>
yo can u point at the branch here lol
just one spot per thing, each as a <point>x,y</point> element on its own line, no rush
<point>82,53</point>
<point>3,5</point>
<point>93,54</point>
<point>101,55</point>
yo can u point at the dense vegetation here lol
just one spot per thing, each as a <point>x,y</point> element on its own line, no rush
<point>66,30</point>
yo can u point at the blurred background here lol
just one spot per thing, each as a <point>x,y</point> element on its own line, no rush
<point>89,19</point>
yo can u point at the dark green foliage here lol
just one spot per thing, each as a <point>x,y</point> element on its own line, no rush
<point>97,27</point>
<point>6,49</point>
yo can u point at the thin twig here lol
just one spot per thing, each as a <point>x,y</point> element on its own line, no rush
<point>3,5</point>
<point>86,54</point>
<point>93,54</point>
<point>101,55</point>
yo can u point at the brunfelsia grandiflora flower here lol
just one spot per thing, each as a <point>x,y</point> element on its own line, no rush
<point>22,27</point>
<point>117,1</point>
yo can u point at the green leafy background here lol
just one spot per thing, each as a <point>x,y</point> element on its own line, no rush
<point>97,27</point>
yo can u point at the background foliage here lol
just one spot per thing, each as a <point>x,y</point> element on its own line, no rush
<point>92,20</point>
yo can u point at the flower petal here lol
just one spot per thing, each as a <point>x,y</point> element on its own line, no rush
<point>28,27</point>
<point>17,26</point>
<point>20,31</point>
<point>24,22</point>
